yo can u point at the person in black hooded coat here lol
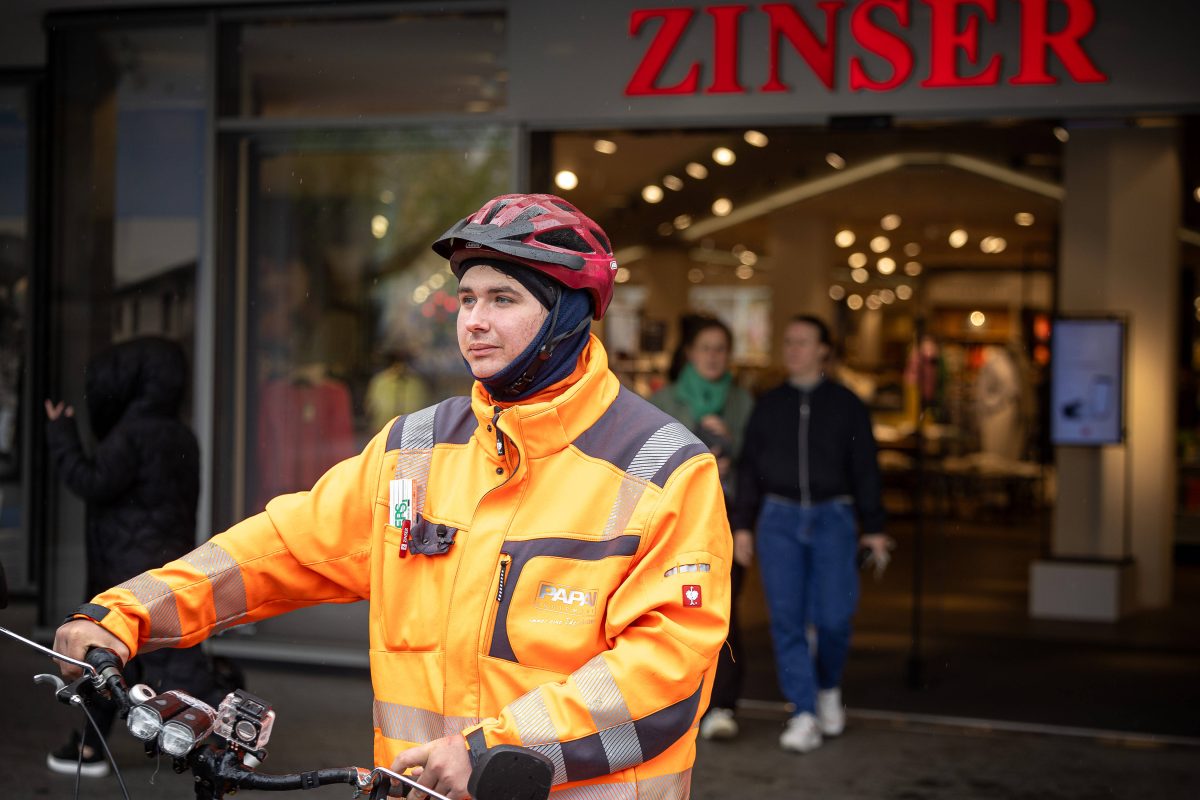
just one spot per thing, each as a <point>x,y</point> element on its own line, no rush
<point>141,485</point>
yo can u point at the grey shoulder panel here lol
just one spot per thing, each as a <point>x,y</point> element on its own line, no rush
<point>636,437</point>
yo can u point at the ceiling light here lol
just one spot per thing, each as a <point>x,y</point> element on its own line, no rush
<point>665,229</point>
<point>844,238</point>
<point>622,275</point>
<point>859,275</point>
<point>738,249</point>
<point>857,260</point>
<point>604,146</point>
<point>890,222</point>
<point>912,249</point>
<point>887,296</point>
<point>744,271</point>
<point>695,275</point>
<point>566,180</point>
<point>749,258</point>
<point>387,197</point>
<point>672,183</point>
<point>652,193</point>
<point>724,156</point>
<point>722,206</point>
<point>886,265</point>
<point>836,161</point>
<point>957,238</point>
<point>880,244</point>
<point>682,221</point>
<point>1062,134</point>
<point>696,170</point>
<point>903,291</point>
<point>855,302</point>
<point>1023,218</point>
<point>755,138</point>
<point>837,292</point>
<point>379,226</point>
<point>912,268</point>
<point>985,244</point>
<point>1196,194</point>
<point>999,244</point>
<point>873,302</point>
<point>978,318</point>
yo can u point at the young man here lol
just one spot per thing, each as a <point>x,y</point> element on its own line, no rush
<point>808,465</point>
<point>547,560</point>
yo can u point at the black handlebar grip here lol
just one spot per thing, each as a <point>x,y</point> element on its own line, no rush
<point>108,666</point>
<point>303,780</point>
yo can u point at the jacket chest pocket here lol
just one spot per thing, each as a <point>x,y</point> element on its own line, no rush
<point>550,600</point>
<point>412,597</point>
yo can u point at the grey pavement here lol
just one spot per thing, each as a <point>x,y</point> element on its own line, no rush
<point>324,720</point>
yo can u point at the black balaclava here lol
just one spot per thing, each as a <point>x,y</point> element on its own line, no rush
<point>554,349</point>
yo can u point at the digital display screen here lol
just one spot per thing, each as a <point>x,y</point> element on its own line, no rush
<point>1087,383</point>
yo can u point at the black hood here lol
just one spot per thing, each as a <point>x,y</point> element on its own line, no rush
<point>142,377</point>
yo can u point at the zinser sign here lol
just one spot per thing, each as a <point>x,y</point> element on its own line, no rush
<point>629,63</point>
<point>953,34</point>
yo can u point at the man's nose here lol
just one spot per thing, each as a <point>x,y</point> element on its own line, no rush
<point>476,320</point>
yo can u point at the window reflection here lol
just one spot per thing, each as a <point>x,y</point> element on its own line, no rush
<point>351,314</point>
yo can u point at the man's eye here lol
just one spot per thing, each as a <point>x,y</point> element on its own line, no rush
<point>465,300</point>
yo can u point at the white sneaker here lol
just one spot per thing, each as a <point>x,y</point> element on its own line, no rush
<point>831,714</point>
<point>718,723</point>
<point>802,734</point>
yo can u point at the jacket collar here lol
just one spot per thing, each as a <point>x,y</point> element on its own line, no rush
<point>550,420</point>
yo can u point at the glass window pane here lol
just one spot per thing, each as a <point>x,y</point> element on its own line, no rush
<point>351,315</point>
<point>403,64</point>
<point>129,162</point>
<point>14,283</point>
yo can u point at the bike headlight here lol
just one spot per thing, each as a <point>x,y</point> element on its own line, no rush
<point>187,729</point>
<point>146,720</point>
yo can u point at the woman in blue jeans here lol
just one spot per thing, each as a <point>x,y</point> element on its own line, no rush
<point>809,478</point>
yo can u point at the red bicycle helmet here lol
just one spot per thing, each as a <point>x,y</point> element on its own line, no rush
<point>540,231</point>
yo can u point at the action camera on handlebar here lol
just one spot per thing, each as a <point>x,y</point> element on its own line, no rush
<point>245,720</point>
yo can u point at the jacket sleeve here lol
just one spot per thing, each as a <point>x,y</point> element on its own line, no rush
<point>864,468</point>
<point>666,624</point>
<point>305,548</point>
<point>748,495</point>
<point>110,472</point>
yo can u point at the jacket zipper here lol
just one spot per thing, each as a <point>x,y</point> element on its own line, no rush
<point>505,560</point>
<point>485,636</point>
<point>805,414</point>
<point>499,434</point>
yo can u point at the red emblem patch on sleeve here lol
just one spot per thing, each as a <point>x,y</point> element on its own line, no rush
<point>691,596</point>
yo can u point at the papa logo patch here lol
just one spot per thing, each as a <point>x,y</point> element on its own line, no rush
<point>692,597</point>
<point>566,599</point>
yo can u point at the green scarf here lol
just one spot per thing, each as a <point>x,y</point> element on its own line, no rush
<point>702,397</point>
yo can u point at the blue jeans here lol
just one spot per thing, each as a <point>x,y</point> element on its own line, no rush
<point>806,555</point>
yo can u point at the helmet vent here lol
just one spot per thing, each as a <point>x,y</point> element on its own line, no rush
<point>565,206</point>
<point>566,239</point>
<point>529,214</point>
<point>495,210</point>
<point>602,239</point>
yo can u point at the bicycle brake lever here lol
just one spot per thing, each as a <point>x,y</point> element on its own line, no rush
<point>58,683</point>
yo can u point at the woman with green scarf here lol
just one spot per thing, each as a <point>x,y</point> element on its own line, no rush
<point>703,396</point>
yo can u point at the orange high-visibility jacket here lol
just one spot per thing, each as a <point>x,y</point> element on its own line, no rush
<point>579,610</point>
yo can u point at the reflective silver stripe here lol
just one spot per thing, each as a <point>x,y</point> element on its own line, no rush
<point>659,448</point>
<point>537,730</point>
<point>225,576</point>
<point>416,724</point>
<point>664,787</point>
<point>603,791</point>
<point>687,568</point>
<point>159,600</point>
<point>610,713</point>
<point>629,492</point>
<point>418,430</point>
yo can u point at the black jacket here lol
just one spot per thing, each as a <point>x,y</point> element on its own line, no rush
<point>838,457</point>
<point>142,483</point>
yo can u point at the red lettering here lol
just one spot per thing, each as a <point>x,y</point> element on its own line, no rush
<point>725,49</point>
<point>945,40</point>
<point>882,43</point>
<point>674,23</point>
<point>1036,40</point>
<point>786,21</point>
